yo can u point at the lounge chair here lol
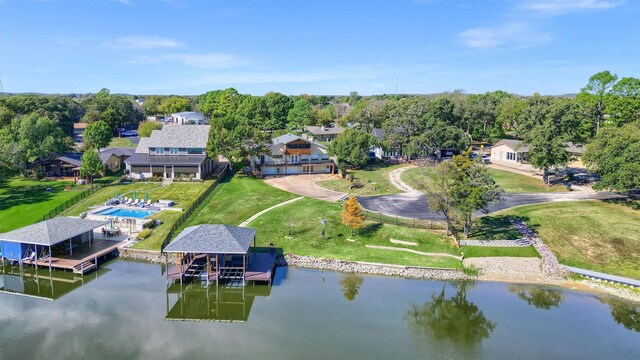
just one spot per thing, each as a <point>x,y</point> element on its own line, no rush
<point>141,203</point>
<point>149,202</point>
<point>128,202</point>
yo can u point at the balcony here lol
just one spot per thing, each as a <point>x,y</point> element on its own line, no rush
<point>299,162</point>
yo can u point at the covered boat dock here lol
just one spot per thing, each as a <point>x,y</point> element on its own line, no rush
<point>63,243</point>
<point>215,252</point>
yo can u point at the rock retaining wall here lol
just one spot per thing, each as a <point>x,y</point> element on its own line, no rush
<point>141,255</point>
<point>372,268</point>
<point>550,265</point>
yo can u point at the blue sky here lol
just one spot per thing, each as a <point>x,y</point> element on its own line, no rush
<point>315,46</point>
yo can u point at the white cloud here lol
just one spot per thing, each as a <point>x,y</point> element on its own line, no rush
<point>514,35</point>
<point>211,61</point>
<point>143,43</point>
<point>558,7</point>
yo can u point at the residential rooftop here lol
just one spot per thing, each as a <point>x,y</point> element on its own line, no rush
<point>52,231</point>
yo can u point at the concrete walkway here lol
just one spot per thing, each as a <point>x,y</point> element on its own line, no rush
<point>603,276</point>
<point>255,216</point>
<point>305,185</point>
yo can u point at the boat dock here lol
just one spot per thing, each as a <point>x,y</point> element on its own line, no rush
<point>80,262</point>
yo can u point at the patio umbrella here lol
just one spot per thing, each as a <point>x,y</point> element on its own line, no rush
<point>116,194</point>
<point>147,197</point>
<point>134,195</point>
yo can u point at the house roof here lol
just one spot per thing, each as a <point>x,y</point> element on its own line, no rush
<point>146,159</point>
<point>74,159</point>
<point>287,138</point>
<point>143,145</point>
<point>378,133</point>
<point>513,145</point>
<point>106,153</point>
<point>192,136</point>
<point>52,231</point>
<point>188,114</point>
<point>575,149</point>
<point>213,239</point>
<point>323,130</point>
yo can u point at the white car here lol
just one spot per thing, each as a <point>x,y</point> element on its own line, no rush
<point>486,158</point>
<point>129,133</point>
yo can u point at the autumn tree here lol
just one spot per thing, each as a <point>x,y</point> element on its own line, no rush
<point>352,214</point>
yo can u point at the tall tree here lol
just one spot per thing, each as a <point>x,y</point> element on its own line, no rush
<point>278,106</point>
<point>614,154</point>
<point>97,135</point>
<point>352,214</point>
<point>174,104</point>
<point>595,95</point>
<point>91,165</point>
<point>351,148</point>
<point>146,127</point>
<point>301,114</point>
<point>151,105</point>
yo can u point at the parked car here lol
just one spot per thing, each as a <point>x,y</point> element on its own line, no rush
<point>129,133</point>
<point>486,158</point>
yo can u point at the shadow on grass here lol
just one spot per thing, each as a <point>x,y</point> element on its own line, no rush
<point>369,230</point>
<point>632,203</point>
<point>31,194</point>
<point>498,227</point>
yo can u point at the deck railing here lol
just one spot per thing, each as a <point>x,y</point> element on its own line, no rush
<point>187,213</point>
<point>74,200</point>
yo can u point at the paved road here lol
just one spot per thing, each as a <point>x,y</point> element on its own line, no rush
<point>412,205</point>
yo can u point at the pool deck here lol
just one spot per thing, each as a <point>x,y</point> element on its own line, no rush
<point>82,261</point>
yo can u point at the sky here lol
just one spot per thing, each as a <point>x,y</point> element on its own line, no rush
<point>317,47</point>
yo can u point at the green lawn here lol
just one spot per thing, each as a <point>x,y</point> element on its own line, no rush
<point>517,183</point>
<point>236,199</point>
<point>592,235</point>
<point>497,227</point>
<point>489,251</point>
<point>184,194</point>
<point>306,227</point>
<point>508,181</point>
<point>24,201</point>
<point>121,142</point>
<point>374,178</point>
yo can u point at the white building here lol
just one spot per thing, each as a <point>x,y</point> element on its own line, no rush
<point>188,118</point>
<point>515,153</point>
<point>291,154</point>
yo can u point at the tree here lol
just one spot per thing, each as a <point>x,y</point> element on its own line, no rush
<point>301,114</point>
<point>614,154</point>
<point>91,165</point>
<point>174,104</point>
<point>6,115</point>
<point>625,314</point>
<point>354,97</point>
<point>595,94</point>
<point>146,127</point>
<point>9,155</point>
<point>116,110</point>
<point>151,105</point>
<point>350,284</point>
<point>352,148</point>
<point>97,135</point>
<point>352,214</point>
<point>278,106</point>
<point>438,188</point>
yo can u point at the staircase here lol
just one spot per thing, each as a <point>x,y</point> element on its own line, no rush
<point>84,267</point>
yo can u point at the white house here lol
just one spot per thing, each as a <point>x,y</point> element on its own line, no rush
<point>513,152</point>
<point>378,151</point>
<point>291,154</point>
<point>173,152</point>
<point>188,117</point>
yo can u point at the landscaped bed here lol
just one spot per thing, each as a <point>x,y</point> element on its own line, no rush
<point>25,201</point>
<point>374,180</point>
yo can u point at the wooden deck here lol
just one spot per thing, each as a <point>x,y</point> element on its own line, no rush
<point>80,262</point>
<point>260,268</point>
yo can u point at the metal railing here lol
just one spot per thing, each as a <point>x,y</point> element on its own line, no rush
<point>74,200</point>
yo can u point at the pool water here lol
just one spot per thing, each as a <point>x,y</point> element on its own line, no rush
<point>126,213</point>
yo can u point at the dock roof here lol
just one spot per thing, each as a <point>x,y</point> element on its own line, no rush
<point>52,231</point>
<point>213,239</point>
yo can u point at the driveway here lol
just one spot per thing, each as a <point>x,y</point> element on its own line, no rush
<point>305,185</point>
<point>411,205</point>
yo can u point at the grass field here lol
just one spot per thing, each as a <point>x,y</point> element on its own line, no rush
<point>306,226</point>
<point>374,178</point>
<point>497,227</point>
<point>24,201</point>
<point>121,142</point>
<point>508,181</point>
<point>489,251</point>
<point>593,235</point>
<point>236,199</point>
<point>517,183</point>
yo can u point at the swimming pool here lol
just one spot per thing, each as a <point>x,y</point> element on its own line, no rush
<point>126,213</point>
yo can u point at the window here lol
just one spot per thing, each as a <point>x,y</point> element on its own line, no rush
<point>194,151</point>
<point>173,151</point>
<point>159,151</point>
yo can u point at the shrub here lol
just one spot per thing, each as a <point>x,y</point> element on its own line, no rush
<point>144,234</point>
<point>150,224</point>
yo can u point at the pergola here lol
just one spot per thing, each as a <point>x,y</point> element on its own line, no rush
<point>211,251</point>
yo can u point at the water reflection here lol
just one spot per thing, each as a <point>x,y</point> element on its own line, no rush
<point>454,318</point>
<point>42,284</point>
<point>539,297</point>
<point>223,303</point>
<point>350,284</point>
<point>624,313</point>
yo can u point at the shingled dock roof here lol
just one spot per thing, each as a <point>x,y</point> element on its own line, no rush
<point>52,231</point>
<point>213,239</point>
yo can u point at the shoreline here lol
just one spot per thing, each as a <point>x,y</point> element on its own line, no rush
<point>423,273</point>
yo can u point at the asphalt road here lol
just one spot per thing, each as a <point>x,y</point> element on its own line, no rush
<point>411,205</point>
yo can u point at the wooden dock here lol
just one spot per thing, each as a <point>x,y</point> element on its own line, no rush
<point>80,262</point>
<point>259,268</point>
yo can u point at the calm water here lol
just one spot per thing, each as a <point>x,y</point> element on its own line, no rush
<point>128,312</point>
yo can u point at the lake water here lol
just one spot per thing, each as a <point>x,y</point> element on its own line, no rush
<point>127,311</point>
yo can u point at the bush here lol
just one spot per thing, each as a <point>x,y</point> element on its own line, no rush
<point>150,224</point>
<point>144,234</point>
<point>356,184</point>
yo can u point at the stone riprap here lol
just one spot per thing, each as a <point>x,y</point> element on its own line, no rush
<point>550,265</point>
<point>497,243</point>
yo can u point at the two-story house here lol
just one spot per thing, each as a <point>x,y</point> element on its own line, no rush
<point>291,154</point>
<point>173,152</point>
